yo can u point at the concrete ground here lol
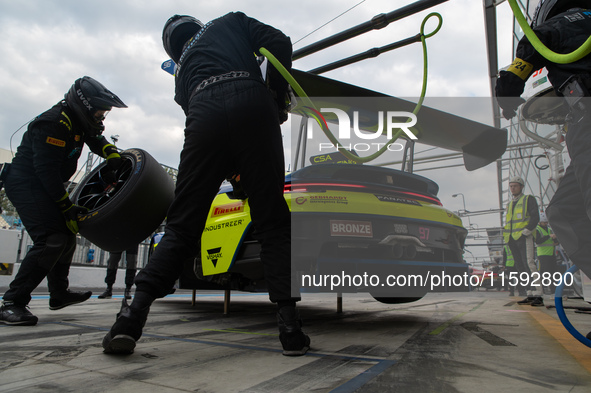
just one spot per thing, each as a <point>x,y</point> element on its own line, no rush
<point>463,342</point>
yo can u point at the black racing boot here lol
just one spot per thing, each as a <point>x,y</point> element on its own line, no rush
<point>107,294</point>
<point>11,314</point>
<point>127,293</point>
<point>294,341</point>
<point>128,326</point>
<point>65,299</point>
<point>537,302</point>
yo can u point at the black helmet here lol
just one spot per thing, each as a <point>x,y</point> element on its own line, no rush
<point>546,9</point>
<point>178,29</point>
<point>86,97</point>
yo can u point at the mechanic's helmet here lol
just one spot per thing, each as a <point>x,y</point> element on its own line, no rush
<point>517,179</point>
<point>543,217</point>
<point>86,97</point>
<point>178,29</point>
<point>546,9</point>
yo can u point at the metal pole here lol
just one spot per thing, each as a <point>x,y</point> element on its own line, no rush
<point>373,52</point>
<point>377,22</point>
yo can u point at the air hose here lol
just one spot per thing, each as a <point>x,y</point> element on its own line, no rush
<point>560,310</point>
<point>307,107</point>
<point>554,57</point>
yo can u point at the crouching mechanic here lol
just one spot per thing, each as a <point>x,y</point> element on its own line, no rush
<point>46,158</point>
<point>563,26</point>
<point>232,126</point>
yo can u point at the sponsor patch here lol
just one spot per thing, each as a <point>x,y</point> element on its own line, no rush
<point>390,198</point>
<point>351,228</point>
<point>214,254</point>
<point>230,208</point>
<point>223,225</point>
<point>55,142</point>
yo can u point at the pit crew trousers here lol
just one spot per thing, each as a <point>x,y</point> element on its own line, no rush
<point>53,243</point>
<point>569,211</point>
<point>130,266</point>
<point>231,127</point>
<point>523,254</point>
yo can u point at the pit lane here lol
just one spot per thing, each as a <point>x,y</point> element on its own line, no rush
<point>458,342</point>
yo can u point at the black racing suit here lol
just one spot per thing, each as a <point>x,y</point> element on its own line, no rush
<point>569,211</point>
<point>232,126</point>
<point>46,158</point>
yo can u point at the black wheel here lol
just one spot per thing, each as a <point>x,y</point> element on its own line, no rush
<point>123,215</point>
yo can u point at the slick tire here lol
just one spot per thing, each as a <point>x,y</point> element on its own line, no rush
<point>124,215</point>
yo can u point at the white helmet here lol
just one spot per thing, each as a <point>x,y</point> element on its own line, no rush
<point>517,179</point>
<point>543,217</point>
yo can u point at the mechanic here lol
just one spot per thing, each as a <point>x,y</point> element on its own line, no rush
<point>130,270</point>
<point>520,224</point>
<point>546,250</point>
<point>232,127</point>
<point>46,158</point>
<point>563,26</point>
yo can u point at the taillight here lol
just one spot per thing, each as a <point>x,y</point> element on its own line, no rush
<point>319,187</point>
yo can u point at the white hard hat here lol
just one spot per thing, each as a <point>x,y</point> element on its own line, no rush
<point>517,179</point>
<point>543,217</point>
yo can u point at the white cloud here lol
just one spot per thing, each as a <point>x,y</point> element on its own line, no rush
<point>46,45</point>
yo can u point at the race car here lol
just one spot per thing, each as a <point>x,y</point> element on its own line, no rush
<point>348,219</point>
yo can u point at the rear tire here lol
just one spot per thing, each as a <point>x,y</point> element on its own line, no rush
<point>125,215</point>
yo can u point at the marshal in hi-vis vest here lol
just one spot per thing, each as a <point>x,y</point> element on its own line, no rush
<point>510,260</point>
<point>516,219</point>
<point>546,248</point>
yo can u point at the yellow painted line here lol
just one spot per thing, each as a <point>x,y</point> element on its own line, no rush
<point>241,332</point>
<point>554,327</point>
<point>447,323</point>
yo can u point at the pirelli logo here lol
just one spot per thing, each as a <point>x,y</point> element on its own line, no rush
<point>230,208</point>
<point>55,142</point>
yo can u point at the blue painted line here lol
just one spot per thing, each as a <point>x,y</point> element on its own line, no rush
<point>363,378</point>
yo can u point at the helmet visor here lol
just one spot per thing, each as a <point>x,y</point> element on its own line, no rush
<point>100,115</point>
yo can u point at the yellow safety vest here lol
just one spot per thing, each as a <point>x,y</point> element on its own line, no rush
<point>516,219</point>
<point>546,248</point>
<point>510,260</point>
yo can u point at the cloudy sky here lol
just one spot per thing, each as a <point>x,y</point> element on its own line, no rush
<point>45,45</point>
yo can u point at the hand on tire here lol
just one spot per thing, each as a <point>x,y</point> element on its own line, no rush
<point>108,176</point>
<point>71,216</point>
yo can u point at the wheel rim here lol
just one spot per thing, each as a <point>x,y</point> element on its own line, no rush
<point>96,193</point>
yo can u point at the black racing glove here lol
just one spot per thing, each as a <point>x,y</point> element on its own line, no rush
<point>109,172</point>
<point>114,161</point>
<point>71,212</point>
<point>509,105</point>
<point>238,191</point>
<point>508,91</point>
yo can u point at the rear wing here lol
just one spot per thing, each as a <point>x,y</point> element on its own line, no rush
<point>479,143</point>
